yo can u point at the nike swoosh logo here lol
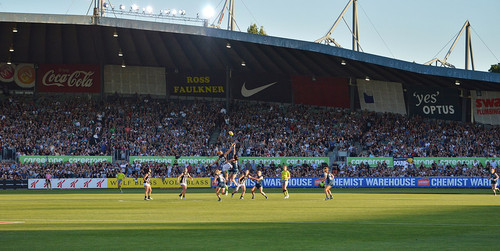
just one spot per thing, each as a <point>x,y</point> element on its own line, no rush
<point>247,93</point>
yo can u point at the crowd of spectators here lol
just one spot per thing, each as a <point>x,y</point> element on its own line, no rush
<point>142,126</point>
<point>165,170</point>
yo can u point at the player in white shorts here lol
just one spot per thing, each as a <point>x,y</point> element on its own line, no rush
<point>182,179</point>
<point>241,183</point>
<point>147,185</point>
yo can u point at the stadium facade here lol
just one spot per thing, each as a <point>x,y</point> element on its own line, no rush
<point>100,55</point>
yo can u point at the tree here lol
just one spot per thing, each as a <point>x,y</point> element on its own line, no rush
<point>253,29</point>
<point>495,68</point>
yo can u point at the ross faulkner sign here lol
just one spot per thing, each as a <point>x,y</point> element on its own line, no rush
<point>439,103</point>
<point>69,78</point>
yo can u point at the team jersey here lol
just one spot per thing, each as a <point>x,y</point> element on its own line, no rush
<point>285,175</point>
<point>235,166</point>
<point>120,176</point>
<point>242,179</point>
<point>146,179</point>
<point>259,180</point>
<point>220,178</point>
<point>328,178</point>
<point>222,159</point>
<point>493,176</point>
<point>183,179</point>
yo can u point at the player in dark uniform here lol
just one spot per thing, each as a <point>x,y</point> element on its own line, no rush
<point>328,183</point>
<point>241,183</point>
<point>233,171</point>
<point>221,183</point>
<point>494,180</point>
<point>223,162</point>
<point>147,185</point>
<point>182,179</point>
<point>258,184</point>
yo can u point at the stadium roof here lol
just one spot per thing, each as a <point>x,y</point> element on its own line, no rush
<point>65,39</point>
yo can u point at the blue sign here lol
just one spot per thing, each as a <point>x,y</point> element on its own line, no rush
<point>386,182</point>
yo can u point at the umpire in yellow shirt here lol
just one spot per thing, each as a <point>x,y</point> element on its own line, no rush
<point>285,176</point>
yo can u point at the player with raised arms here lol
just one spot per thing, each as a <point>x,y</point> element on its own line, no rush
<point>224,162</point>
<point>147,185</point>
<point>328,183</point>
<point>182,179</point>
<point>258,184</point>
<point>285,176</point>
<point>241,183</point>
<point>494,180</point>
<point>221,183</point>
<point>234,170</point>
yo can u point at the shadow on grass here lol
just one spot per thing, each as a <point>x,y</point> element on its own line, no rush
<point>468,228</point>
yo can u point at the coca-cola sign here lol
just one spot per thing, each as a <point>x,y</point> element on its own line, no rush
<point>69,78</point>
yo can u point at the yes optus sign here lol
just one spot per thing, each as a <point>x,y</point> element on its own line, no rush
<point>69,78</point>
<point>439,103</point>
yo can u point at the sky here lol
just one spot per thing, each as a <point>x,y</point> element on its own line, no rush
<point>414,31</point>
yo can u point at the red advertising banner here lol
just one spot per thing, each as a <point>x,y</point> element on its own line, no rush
<point>69,78</point>
<point>321,91</point>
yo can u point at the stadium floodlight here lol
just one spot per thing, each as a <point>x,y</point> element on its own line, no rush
<point>208,12</point>
<point>11,49</point>
<point>14,29</point>
<point>115,34</point>
<point>120,53</point>
<point>367,78</point>
<point>243,63</point>
<point>174,12</point>
<point>122,7</point>
<point>228,45</point>
<point>182,12</point>
<point>457,82</point>
<point>134,7</point>
<point>106,5</point>
<point>123,64</point>
<point>149,10</point>
<point>343,62</point>
<point>167,11</point>
<point>9,62</point>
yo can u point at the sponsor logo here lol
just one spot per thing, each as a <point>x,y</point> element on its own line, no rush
<point>6,73</point>
<point>33,184</point>
<point>99,183</point>
<point>489,102</point>
<point>86,183</point>
<point>424,182</point>
<point>248,93</point>
<point>318,181</point>
<point>70,79</point>
<point>25,76</point>
<point>73,184</point>
<point>60,183</point>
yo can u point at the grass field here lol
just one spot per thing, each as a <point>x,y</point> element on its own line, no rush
<point>357,219</point>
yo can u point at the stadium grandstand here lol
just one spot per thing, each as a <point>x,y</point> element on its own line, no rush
<point>88,96</point>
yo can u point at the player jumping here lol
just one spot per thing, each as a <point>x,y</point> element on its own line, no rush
<point>223,161</point>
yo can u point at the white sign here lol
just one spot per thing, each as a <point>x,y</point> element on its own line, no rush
<point>380,96</point>
<point>486,106</point>
<point>69,183</point>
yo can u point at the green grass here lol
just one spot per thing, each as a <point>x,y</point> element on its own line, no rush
<point>357,219</point>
